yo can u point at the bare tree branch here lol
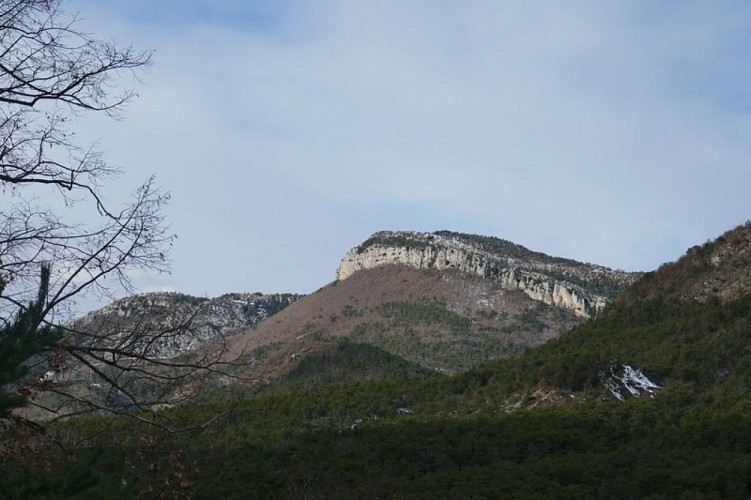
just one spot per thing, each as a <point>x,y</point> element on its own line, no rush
<point>51,72</point>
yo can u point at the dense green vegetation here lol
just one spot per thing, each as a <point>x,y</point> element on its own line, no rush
<point>21,339</point>
<point>395,240</point>
<point>631,451</point>
<point>182,298</point>
<point>363,440</point>
<point>701,345</point>
<point>349,361</point>
<point>504,247</point>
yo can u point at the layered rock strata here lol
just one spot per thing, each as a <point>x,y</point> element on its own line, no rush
<point>558,282</point>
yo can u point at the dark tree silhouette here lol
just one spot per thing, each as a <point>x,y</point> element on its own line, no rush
<point>21,339</point>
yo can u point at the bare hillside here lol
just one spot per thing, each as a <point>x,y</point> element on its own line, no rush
<point>444,320</point>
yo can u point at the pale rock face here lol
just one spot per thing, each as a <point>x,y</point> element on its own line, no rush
<point>625,382</point>
<point>195,321</point>
<point>433,251</point>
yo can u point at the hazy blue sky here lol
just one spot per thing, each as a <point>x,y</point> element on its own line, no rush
<point>287,132</point>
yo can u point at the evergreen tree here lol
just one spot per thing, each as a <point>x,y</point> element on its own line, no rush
<point>20,339</point>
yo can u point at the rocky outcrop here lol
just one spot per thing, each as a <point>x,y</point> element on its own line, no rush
<point>581,288</point>
<point>168,324</point>
<point>624,382</point>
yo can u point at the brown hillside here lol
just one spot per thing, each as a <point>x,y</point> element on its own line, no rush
<point>443,320</point>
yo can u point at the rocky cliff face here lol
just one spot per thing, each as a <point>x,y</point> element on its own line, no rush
<point>581,288</point>
<point>168,324</point>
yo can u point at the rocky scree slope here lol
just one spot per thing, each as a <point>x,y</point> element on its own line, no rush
<point>582,288</point>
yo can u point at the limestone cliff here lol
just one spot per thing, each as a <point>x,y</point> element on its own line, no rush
<point>581,288</point>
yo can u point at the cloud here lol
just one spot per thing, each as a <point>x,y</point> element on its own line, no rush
<point>614,133</point>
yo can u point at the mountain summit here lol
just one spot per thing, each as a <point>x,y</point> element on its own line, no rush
<point>582,288</point>
<point>445,301</point>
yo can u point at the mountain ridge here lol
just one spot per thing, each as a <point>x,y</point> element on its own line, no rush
<point>204,319</point>
<point>583,288</point>
<point>718,269</point>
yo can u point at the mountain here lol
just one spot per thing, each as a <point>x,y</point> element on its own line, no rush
<point>547,423</point>
<point>676,348</point>
<point>446,301</point>
<point>191,321</point>
<point>140,342</point>
<point>685,325</point>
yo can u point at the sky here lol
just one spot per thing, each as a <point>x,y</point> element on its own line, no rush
<point>287,132</point>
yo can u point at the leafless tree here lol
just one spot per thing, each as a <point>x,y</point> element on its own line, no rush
<point>124,362</point>
<point>52,73</point>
